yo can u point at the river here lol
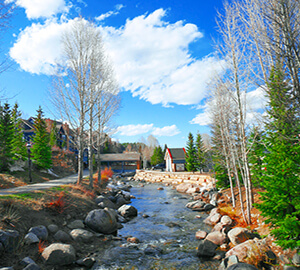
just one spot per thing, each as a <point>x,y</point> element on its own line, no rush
<point>167,235</point>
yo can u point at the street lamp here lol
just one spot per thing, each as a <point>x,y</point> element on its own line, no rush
<point>28,145</point>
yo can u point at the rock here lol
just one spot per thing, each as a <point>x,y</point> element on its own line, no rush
<point>10,240</point>
<point>160,188</point>
<point>239,235</point>
<point>242,266</point>
<point>82,235</point>
<point>59,254</point>
<point>218,238</point>
<point>206,248</point>
<point>183,187</point>
<point>253,246</point>
<point>296,259</point>
<point>153,250</point>
<point>196,205</point>
<point>285,267</point>
<point>145,216</point>
<point>133,240</point>
<point>62,236</point>
<point>212,219</point>
<point>76,224</point>
<point>121,219</point>
<point>233,259</point>
<point>193,190</point>
<point>7,268</point>
<point>86,262</point>
<point>101,221</point>
<point>201,235</point>
<point>40,231</point>
<point>219,227</point>
<point>128,211</point>
<point>32,266</point>
<point>208,207</point>
<point>31,238</point>
<point>26,261</point>
<point>226,220</point>
<point>52,228</point>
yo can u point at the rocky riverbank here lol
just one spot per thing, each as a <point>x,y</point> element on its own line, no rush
<point>70,235</point>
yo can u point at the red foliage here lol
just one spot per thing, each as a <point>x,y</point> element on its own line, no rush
<point>41,246</point>
<point>58,204</point>
<point>106,174</point>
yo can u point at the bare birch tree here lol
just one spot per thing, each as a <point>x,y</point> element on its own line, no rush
<point>78,84</point>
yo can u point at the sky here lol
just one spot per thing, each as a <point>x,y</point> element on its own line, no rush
<point>162,52</point>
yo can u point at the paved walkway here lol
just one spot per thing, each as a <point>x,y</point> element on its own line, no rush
<point>39,186</point>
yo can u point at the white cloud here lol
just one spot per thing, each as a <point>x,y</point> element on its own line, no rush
<point>153,62</point>
<point>166,131</point>
<point>202,119</point>
<point>110,13</point>
<point>133,130</point>
<point>38,47</point>
<point>41,8</point>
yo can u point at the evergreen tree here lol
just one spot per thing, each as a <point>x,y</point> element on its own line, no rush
<point>158,156</point>
<point>200,152</point>
<point>281,181</point>
<point>53,135</point>
<point>191,157</point>
<point>19,145</point>
<point>41,150</point>
<point>6,137</point>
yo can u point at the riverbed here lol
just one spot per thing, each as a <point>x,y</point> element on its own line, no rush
<point>165,229</point>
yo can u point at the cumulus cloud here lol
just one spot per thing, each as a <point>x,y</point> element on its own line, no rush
<point>38,46</point>
<point>166,131</point>
<point>152,59</point>
<point>133,130</point>
<point>256,102</point>
<point>35,9</point>
<point>110,13</point>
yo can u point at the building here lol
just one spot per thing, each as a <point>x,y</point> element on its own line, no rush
<point>124,162</point>
<point>175,159</point>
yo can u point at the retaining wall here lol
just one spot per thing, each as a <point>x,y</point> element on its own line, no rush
<point>175,178</point>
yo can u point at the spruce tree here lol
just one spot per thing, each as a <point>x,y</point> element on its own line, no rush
<point>19,145</point>
<point>6,137</point>
<point>53,134</point>
<point>191,157</point>
<point>158,156</point>
<point>41,150</point>
<point>200,152</point>
<point>281,181</point>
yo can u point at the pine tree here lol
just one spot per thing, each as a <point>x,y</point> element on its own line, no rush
<point>281,181</point>
<point>200,152</point>
<point>191,158</point>
<point>41,150</point>
<point>158,156</point>
<point>6,137</point>
<point>19,145</point>
<point>53,134</point>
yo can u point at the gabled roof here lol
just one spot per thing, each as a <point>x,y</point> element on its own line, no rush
<point>130,156</point>
<point>176,153</point>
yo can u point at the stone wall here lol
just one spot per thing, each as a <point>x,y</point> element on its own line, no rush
<point>175,178</point>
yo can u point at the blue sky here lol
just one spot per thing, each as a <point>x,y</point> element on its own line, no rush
<point>162,52</point>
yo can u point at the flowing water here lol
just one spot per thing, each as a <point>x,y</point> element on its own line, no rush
<point>167,236</point>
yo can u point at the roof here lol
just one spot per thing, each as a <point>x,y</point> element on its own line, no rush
<point>176,153</point>
<point>130,156</point>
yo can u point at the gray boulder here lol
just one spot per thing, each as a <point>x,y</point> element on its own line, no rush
<point>82,235</point>
<point>59,254</point>
<point>87,262</point>
<point>26,261</point>
<point>296,259</point>
<point>209,206</point>
<point>40,231</point>
<point>127,211</point>
<point>233,259</point>
<point>206,248</point>
<point>32,266</point>
<point>7,268</point>
<point>239,235</point>
<point>212,219</point>
<point>103,202</point>
<point>31,238</point>
<point>218,238</point>
<point>52,228</point>
<point>242,266</point>
<point>196,205</point>
<point>102,221</point>
<point>76,224</point>
<point>62,236</point>
<point>9,239</point>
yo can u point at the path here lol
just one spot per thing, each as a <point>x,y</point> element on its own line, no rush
<point>39,186</point>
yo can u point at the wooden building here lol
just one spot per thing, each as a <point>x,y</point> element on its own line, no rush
<point>175,159</point>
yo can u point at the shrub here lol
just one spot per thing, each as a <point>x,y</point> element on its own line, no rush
<point>106,174</point>
<point>58,205</point>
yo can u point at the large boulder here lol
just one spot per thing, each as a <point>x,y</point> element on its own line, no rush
<point>239,235</point>
<point>183,187</point>
<point>31,238</point>
<point>102,221</point>
<point>40,231</point>
<point>206,248</point>
<point>242,266</point>
<point>59,254</point>
<point>62,236</point>
<point>218,238</point>
<point>10,240</point>
<point>81,235</point>
<point>128,211</point>
<point>200,234</point>
<point>76,224</point>
<point>196,205</point>
<point>103,202</point>
<point>212,219</point>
